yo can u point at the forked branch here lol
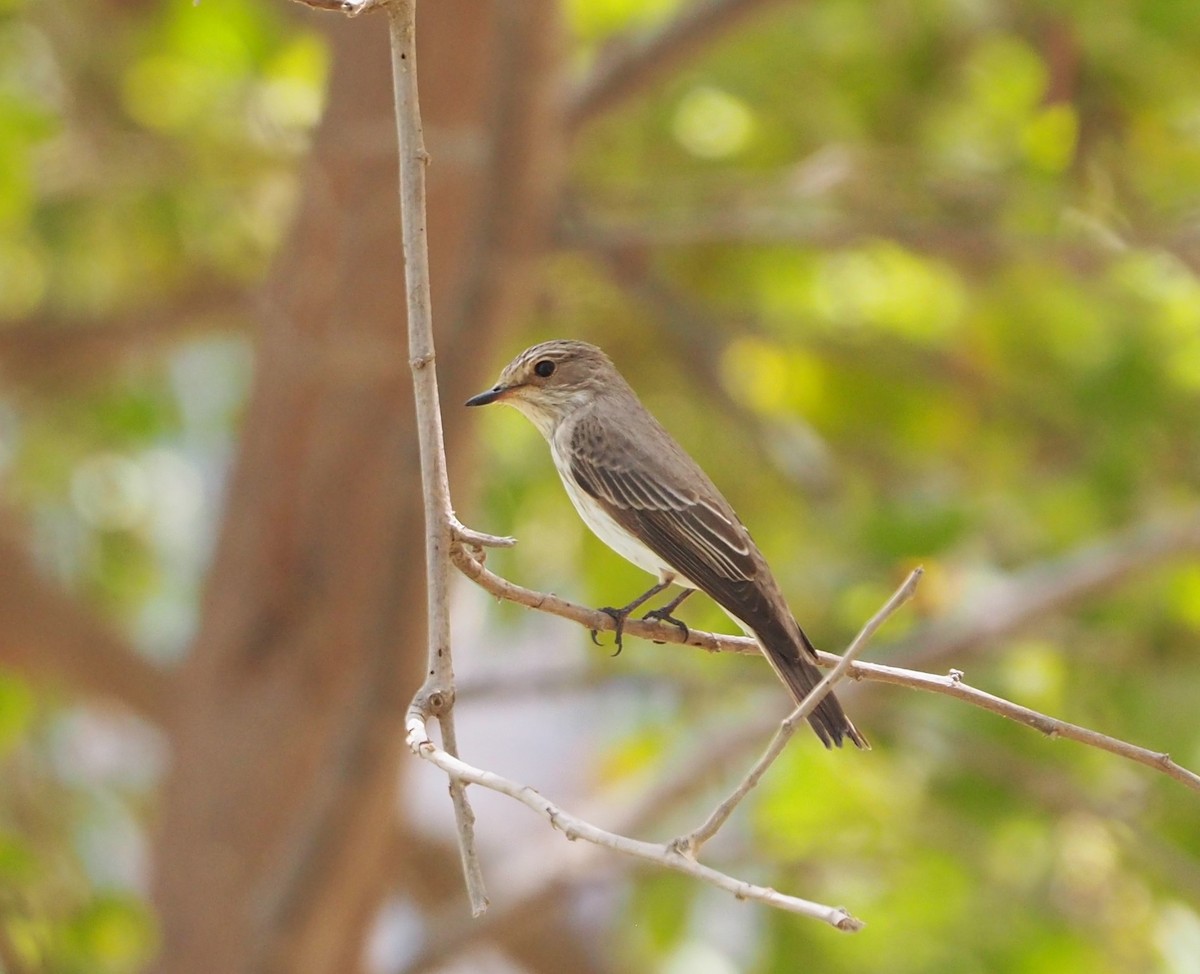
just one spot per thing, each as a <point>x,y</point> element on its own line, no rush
<point>663,855</point>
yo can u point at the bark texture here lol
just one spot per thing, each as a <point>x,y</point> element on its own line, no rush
<point>279,816</point>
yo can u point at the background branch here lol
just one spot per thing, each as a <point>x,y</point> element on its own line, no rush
<point>50,635</point>
<point>1006,605</point>
<point>55,349</point>
<point>637,63</point>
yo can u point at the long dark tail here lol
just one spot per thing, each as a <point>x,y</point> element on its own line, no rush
<point>795,667</point>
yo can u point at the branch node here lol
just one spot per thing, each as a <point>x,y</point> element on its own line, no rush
<point>477,539</point>
<point>682,846</point>
<point>417,362</point>
<point>432,701</point>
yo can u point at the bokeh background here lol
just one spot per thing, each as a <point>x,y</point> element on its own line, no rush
<point>916,281</point>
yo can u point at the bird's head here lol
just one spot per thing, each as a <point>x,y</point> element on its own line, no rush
<point>549,381</point>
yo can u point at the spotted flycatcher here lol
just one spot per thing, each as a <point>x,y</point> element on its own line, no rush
<point>644,497</point>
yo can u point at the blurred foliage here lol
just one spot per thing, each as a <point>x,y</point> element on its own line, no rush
<point>918,284</point>
<point>158,163</point>
<point>916,280</point>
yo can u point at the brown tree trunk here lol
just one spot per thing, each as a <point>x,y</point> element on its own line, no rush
<point>288,743</point>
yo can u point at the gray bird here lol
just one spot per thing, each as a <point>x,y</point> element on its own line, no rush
<point>644,497</point>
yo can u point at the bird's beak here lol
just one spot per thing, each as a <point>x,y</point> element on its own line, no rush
<point>484,398</point>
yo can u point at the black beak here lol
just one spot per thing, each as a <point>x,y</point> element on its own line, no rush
<point>485,397</point>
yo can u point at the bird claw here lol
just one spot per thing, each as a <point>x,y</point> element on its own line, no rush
<point>664,615</point>
<point>618,616</point>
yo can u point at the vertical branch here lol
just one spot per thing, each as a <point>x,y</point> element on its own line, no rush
<point>435,698</point>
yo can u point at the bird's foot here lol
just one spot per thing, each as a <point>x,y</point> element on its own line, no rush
<point>618,616</point>
<point>664,614</point>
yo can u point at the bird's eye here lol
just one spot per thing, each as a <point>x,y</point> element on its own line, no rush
<point>544,368</point>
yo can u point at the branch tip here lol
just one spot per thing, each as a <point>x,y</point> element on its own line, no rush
<point>478,539</point>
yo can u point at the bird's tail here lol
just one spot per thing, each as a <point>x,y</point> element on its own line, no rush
<point>795,667</point>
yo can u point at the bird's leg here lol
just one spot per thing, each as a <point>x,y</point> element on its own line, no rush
<point>620,615</point>
<point>664,614</point>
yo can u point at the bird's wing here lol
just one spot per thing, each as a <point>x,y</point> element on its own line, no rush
<point>655,491</point>
<point>644,487</point>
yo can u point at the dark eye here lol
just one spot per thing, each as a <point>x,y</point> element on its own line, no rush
<point>544,368</point>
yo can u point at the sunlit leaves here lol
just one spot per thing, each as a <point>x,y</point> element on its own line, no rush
<point>594,20</point>
<point>111,934</point>
<point>932,296</point>
<point>16,710</point>
<point>58,912</point>
<point>713,124</point>
<point>222,68</point>
<point>213,102</point>
<point>952,242</point>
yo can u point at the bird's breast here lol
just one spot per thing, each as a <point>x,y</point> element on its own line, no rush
<point>606,528</point>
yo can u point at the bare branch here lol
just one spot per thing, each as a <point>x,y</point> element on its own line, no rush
<point>691,843</point>
<point>535,878</point>
<point>435,698</point>
<point>788,219</point>
<point>950,685</point>
<point>576,828</point>
<point>641,62</point>
<point>478,539</point>
<point>54,349</point>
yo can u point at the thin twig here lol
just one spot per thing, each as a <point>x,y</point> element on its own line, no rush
<point>951,685</point>
<point>477,539</point>
<point>690,844</point>
<point>535,876</point>
<point>435,698</point>
<point>575,828</point>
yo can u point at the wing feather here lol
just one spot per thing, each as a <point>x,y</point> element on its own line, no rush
<point>699,536</point>
<point>646,486</point>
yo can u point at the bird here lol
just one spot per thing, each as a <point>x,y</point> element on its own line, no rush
<point>645,497</point>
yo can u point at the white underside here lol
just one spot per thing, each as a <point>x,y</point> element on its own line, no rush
<point>612,534</point>
<point>624,543</point>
